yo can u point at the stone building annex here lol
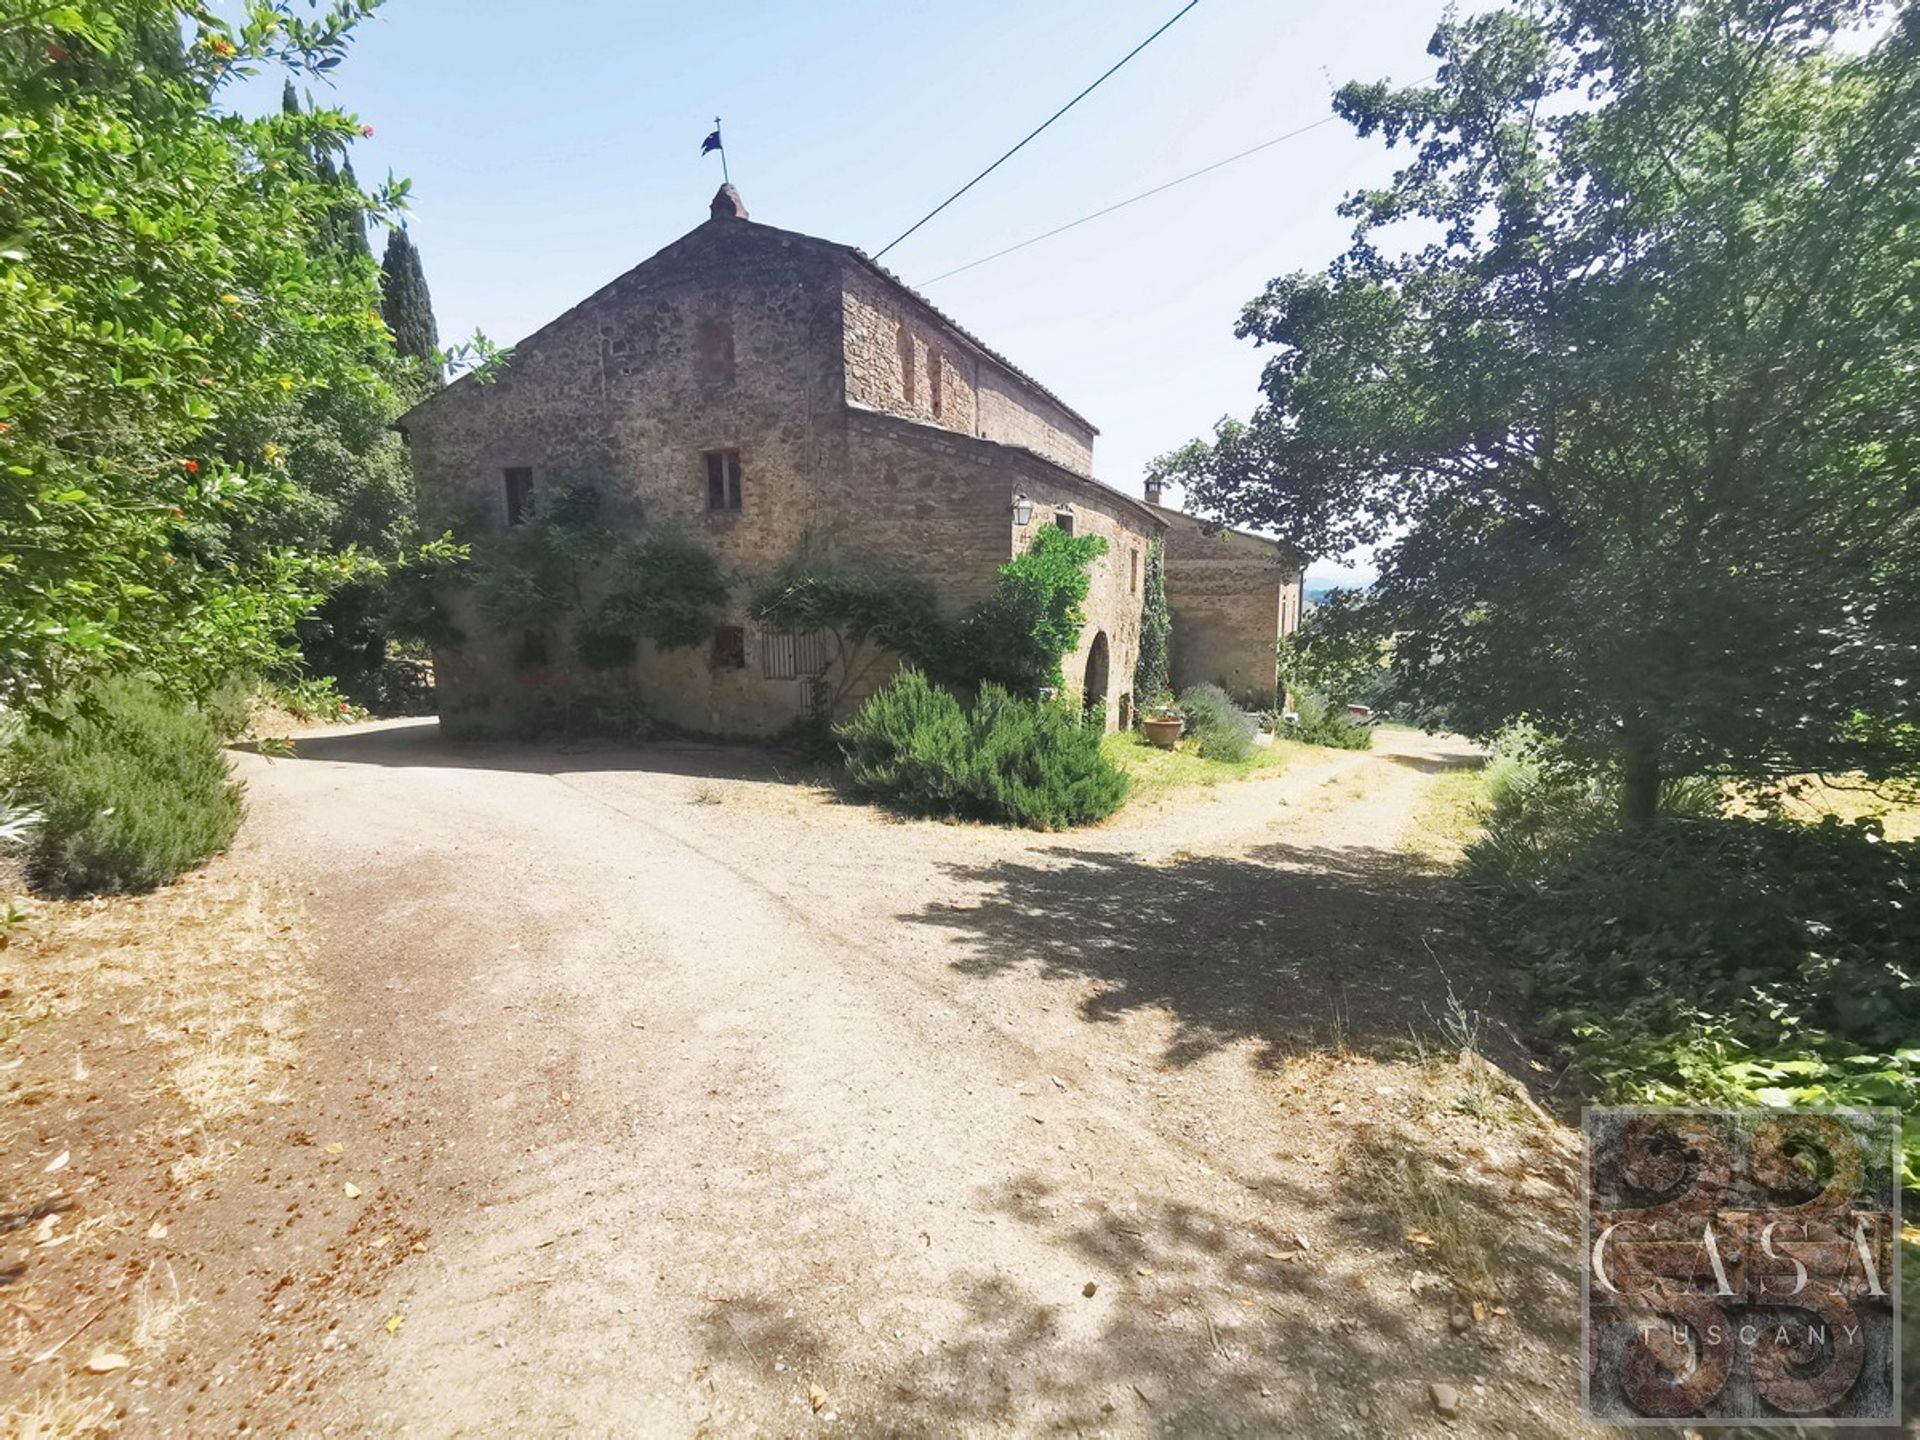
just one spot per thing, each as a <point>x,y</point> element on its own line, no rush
<point>760,389</point>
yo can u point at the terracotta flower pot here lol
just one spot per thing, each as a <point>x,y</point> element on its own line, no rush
<point>1164,732</point>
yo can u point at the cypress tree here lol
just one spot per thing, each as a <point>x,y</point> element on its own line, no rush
<point>1152,680</point>
<point>328,174</point>
<point>404,300</point>
<point>353,219</point>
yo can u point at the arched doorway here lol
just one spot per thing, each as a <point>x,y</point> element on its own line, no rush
<point>1093,695</point>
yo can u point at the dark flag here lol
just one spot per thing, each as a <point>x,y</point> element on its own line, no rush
<point>711,144</point>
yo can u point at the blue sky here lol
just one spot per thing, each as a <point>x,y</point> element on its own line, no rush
<point>553,146</point>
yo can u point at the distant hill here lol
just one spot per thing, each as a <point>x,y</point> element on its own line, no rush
<point>1316,591</point>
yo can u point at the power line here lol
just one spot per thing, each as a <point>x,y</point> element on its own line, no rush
<point>1134,200</point>
<point>1043,125</point>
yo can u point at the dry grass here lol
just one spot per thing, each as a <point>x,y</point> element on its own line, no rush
<point>160,1309</point>
<point>1438,1214</point>
<point>57,1412</point>
<point>210,968</point>
<point>205,978</point>
<point>1451,812</point>
<point>1813,797</point>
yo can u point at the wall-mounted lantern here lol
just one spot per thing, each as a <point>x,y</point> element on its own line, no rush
<point>1022,510</point>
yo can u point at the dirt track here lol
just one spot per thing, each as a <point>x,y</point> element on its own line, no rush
<point>729,1106</point>
<point>599,1091</point>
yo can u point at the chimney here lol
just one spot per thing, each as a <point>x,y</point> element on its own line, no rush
<point>1153,489</point>
<point>727,204</point>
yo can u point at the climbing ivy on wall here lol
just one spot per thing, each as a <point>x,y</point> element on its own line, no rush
<point>1152,672</point>
<point>1016,637</point>
<point>570,573</point>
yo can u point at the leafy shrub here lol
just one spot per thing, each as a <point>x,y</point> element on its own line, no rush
<point>1018,635</point>
<point>1740,961</point>
<point>1222,729</point>
<point>1015,638</point>
<point>1008,759</point>
<point>665,587</point>
<point>1318,721</point>
<point>858,603</point>
<point>571,566</point>
<point>134,792</point>
<point>1704,959</point>
<point>1542,811</point>
<point>910,742</point>
<point>867,610</point>
<point>1040,764</point>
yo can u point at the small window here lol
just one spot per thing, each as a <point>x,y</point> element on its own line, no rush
<point>519,480</point>
<point>729,648</point>
<point>723,480</point>
<point>904,338</point>
<point>1064,519</point>
<point>1133,571</point>
<point>935,372</point>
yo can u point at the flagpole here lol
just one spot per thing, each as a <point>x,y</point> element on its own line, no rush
<point>724,176</point>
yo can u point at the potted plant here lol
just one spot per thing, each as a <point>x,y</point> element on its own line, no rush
<point>1163,722</point>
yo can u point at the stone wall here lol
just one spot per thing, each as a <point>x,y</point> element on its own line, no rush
<point>936,503</point>
<point>744,338</point>
<point>728,339</point>
<point>899,364</point>
<point>1012,414</point>
<point>896,348</point>
<point>1232,596</point>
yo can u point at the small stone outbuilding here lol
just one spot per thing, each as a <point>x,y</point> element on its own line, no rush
<point>1232,595</point>
<point>767,391</point>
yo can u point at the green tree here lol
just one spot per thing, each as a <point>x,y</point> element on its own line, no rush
<point>868,611</point>
<point>1331,656</point>
<point>405,303</point>
<point>165,326</point>
<point>1019,635</point>
<point>1634,409</point>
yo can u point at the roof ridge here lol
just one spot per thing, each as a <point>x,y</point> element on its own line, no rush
<point>853,251</point>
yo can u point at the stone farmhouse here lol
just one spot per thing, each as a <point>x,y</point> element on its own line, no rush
<point>765,390</point>
<point>1232,594</point>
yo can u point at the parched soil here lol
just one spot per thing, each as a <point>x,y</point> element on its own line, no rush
<point>661,1091</point>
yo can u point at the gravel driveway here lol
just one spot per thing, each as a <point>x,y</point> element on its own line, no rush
<point>734,1108</point>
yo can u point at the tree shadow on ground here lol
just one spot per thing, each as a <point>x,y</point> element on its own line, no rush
<point>418,744</point>
<point>1292,948</point>
<point>1203,1324</point>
